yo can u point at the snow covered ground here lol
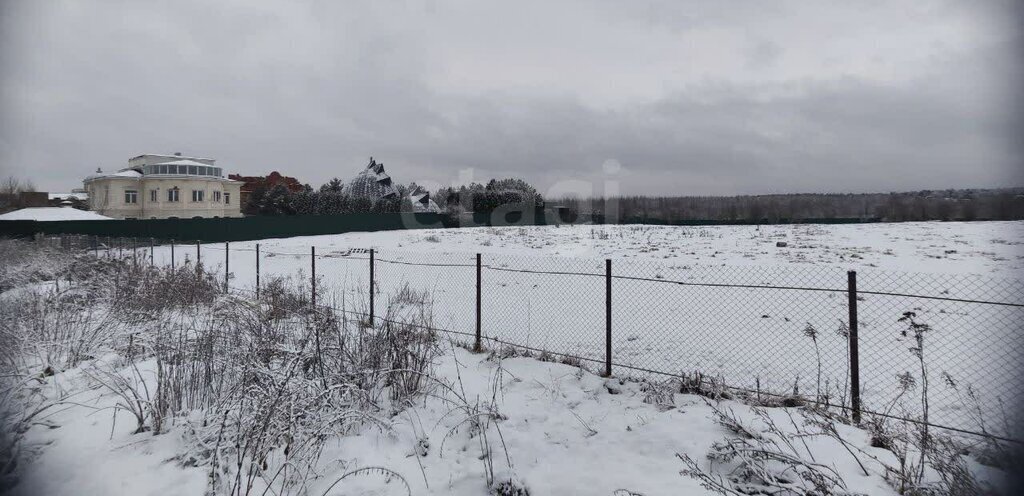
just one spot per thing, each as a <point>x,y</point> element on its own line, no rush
<point>753,338</point>
<point>932,247</point>
<point>564,431</point>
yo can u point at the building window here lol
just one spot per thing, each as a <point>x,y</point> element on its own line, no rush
<point>152,195</point>
<point>172,195</point>
<point>131,196</point>
<point>163,169</point>
<point>197,195</point>
<point>227,198</point>
<point>193,170</point>
<point>216,196</point>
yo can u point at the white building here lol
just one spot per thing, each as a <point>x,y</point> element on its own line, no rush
<point>164,187</point>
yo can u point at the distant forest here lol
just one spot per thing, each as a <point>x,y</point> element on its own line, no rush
<point>949,204</point>
<point>952,204</point>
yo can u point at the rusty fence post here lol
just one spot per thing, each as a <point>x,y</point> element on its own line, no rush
<point>257,271</point>
<point>372,286</point>
<point>851,284</point>
<point>608,318</point>
<point>477,345</point>
<point>227,264</point>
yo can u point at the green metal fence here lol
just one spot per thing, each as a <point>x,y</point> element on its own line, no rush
<point>262,227</point>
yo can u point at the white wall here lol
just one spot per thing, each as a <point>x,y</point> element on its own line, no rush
<point>107,197</point>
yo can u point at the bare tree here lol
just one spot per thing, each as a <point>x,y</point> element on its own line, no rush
<point>12,186</point>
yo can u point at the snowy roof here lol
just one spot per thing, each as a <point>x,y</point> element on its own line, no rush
<point>421,201</point>
<point>120,173</point>
<point>185,162</point>
<point>168,156</point>
<point>52,214</point>
<point>372,183</point>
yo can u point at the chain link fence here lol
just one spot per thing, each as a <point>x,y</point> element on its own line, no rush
<point>936,348</point>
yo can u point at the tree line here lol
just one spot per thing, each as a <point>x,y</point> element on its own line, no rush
<point>331,198</point>
<point>951,204</point>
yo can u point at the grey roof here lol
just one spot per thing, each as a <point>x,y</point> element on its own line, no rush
<point>372,183</point>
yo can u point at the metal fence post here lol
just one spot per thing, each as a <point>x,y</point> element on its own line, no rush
<point>312,279</point>
<point>198,254</point>
<point>477,345</point>
<point>227,265</point>
<point>152,252</point>
<point>372,288</point>
<point>172,253</point>
<point>257,271</point>
<point>608,318</point>
<point>851,283</point>
<point>135,251</point>
<point>96,246</point>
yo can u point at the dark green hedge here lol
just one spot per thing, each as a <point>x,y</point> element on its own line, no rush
<point>261,227</point>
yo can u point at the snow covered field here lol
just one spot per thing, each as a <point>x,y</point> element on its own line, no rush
<point>932,247</point>
<point>564,430</point>
<point>753,338</point>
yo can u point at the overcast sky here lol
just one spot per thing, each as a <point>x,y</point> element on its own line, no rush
<point>705,97</point>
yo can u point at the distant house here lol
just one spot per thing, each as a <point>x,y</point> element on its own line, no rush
<point>252,183</point>
<point>23,199</point>
<point>164,186</point>
<point>77,198</point>
<point>421,201</point>
<point>372,183</point>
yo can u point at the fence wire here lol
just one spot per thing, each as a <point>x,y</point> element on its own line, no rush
<point>780,331</point>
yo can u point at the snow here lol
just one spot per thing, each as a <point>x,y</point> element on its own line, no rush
<point>184,162</point>
<point>979,248</point>
<point>564,432</point>
<point>121,173</point>
<point>90,451</point>
<point>372,182</point>
<point>52,214</point>
<point>179,156</point>
<point>742,335</point>
<point>127,173</point>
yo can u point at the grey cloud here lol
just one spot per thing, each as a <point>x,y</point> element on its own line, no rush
<point>312,92</point>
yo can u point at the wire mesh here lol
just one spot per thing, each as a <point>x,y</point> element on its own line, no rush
<point>970,361</point>
<point>443,282</point>
<point>777,330</point>
<point>555,305</point>
<point>758,329</point>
